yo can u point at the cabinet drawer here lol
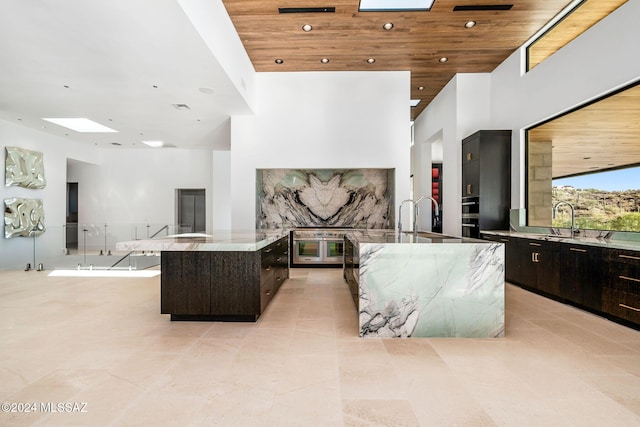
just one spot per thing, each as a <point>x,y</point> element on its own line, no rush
<point>622,256</point>
<point>266,293</point>
<point>266,273</point>
<point>621,304</point>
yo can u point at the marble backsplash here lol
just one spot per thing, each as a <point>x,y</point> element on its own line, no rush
<point>362,198</point>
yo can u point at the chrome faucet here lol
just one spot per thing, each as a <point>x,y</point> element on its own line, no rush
<point>400,213</point>
<point>415,212</point>
<point>573,216</point>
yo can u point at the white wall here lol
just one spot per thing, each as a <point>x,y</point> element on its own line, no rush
<point>602,59</point>
<point>221,197</point>
<point>138,186</point>
<point>19,250</point>
<point>320,120</point>
<point>461,108</point>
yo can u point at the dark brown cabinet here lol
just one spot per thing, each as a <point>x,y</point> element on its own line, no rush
<point>222,285</point>
<point>351,270</point>
<point>602,280</point>
<point>621,285</point>
<point>580,275</point>
<point>486,181</point>
<point>539,263</point>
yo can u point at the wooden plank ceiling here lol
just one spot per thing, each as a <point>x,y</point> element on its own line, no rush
<point>416,42</point>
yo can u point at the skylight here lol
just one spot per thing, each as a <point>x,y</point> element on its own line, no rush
<point>391,5</point>
<point>154,144</point>
<point>81,125</point>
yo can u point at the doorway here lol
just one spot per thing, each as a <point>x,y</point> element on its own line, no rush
<point>191,210</point>
<point>72,216</point>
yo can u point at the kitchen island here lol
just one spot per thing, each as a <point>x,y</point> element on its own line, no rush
<point>431,285</point>
<point>226,276</point>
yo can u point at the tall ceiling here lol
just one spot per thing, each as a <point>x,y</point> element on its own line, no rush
<point>125,63</point>
<point>417,41</point>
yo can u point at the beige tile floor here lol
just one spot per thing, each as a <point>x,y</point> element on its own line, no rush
<point>103,342</point>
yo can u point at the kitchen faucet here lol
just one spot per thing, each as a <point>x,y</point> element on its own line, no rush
<point>400,214</point>
<point>573,216</point>
<point>415,212</point>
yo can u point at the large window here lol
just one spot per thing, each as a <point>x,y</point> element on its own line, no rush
<point>602,201</point>
<point>573,23</point>
<point>589,157</point>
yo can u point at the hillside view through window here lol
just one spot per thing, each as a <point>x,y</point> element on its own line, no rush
<point>602,201</point>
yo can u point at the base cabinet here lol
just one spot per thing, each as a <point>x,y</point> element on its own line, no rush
<point>351,269</point>
<point>621,285</point>
<point>602,280</point>
<point>581,275</point>
<point>222,285</point>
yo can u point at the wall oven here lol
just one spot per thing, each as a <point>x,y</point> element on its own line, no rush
<point>471,217</point>
<point>318,246</point>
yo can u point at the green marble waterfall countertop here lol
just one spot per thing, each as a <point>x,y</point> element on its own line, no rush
<point>220,240</point>
<point>578,240</point>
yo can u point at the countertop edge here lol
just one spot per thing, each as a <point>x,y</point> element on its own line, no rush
<point>584,241</point>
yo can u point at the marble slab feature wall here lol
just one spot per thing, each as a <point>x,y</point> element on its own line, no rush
<point>325,198</point>
<point>431,290</point>
<point>24,168</point>
<point>23,217</point>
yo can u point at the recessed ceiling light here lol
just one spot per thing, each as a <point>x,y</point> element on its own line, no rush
<point>470,24</point>
<point>279,61</point>
<point>371,60</point>
<point>388,26</point>
<point>325,60</point>
<point>386,5</point>
<point>415,102</point>
<point>307,27</point>
<point>443,59</point>
<point>181,106</point>
<point>80,125</point>
<point>206,90</point>
<point>154,144</point>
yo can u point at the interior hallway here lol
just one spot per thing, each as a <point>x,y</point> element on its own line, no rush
<point>103,341</point>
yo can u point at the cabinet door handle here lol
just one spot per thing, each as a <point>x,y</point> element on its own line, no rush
<point>268,250</point>
<point>278,259</point>
<point>577,250</point>
<point>268,268</point>
<point>469,189</point>
<point>534,257</point>
<point>629,257</point>
<point>535,244</point>
<point>267,293</point>
<point>469,156</point>
<point>629,278</point>
<point>504,240</point>
<point>629,307</point>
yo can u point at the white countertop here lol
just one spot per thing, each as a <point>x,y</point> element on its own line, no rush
<point>587,241</point>
<point>392,236</point>
<point>220,240</point>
